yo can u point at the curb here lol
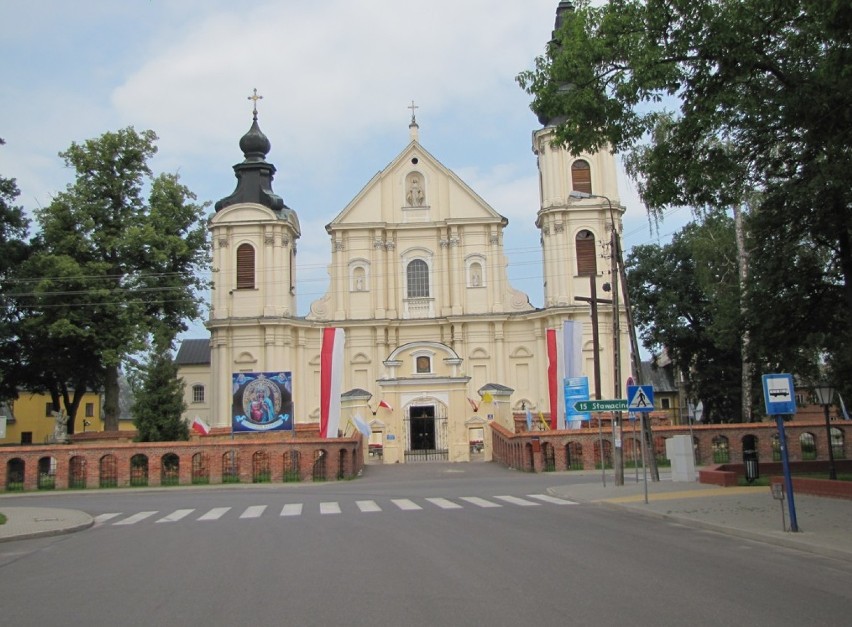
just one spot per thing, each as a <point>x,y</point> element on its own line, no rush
<point>789,543</point>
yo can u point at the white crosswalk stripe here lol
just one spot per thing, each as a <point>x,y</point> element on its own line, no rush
<point>292,509</point>
<point>102,518</point>
<point>515,500</point>
<point>368,506</point>
<point>255,511</point>
<point>215,514</point>
<point>480,502</point>
<point>176,515</point>
<point>551,499</point>
<point>329,508</point>
<point>406,504</point>
<point>444,503</point>
<point>132,520</point>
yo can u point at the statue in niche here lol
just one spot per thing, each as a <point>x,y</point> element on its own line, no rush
<point>415,196</point>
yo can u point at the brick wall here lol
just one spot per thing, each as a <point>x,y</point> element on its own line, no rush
<point>201,460</point>
<point>532,450</point>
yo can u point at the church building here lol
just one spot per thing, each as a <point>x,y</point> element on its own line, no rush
<point>437,342</point>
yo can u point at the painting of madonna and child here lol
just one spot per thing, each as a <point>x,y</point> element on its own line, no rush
<point>263,401</point>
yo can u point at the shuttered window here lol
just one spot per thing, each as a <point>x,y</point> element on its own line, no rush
<point>581,177</point>
<point>245,267</point>
<point>586,255</point>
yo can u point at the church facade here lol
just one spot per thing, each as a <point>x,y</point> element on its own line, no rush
<point>437,342</point>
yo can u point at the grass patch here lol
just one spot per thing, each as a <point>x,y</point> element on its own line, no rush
<point>2,519</point>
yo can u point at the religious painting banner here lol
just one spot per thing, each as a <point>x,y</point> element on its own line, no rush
<point>262,401</point>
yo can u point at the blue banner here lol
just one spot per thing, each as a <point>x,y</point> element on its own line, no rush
<point>262,401</point>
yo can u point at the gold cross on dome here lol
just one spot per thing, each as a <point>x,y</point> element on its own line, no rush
<point>413,108</point>
<point>255,98</point>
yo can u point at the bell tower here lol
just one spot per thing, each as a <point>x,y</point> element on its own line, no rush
<point>254,237</point>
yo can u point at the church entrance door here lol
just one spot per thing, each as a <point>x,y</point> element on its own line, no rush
<point>422,427</point>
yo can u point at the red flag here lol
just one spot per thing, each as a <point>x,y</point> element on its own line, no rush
<point>199,426</point>
<point>386,405</point>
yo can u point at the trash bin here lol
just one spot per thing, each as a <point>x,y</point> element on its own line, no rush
<point>750,461</point>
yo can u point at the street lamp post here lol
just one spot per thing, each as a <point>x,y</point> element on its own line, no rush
<point>824,394</point>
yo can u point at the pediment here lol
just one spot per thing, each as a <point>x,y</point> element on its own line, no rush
<point>387,199</point>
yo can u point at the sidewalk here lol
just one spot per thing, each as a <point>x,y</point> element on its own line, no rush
<point>825,524</point>
<point>34,522</point>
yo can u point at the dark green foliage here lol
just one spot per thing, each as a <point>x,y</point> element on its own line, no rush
<point>686,300</point>
<point>718,103</point>
<point>13,251</point>
<point>112,270</point>
<point>158,406</point>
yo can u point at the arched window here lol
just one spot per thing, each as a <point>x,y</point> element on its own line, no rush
<point>808,443</point>
<point>245,267</point>
<point>424,364</point>
<point>586,254</point>
<point>721,452</point>
<point>197,393</point>
<point>837,443</point>
<point>417,274</point>
<point>581,176</point>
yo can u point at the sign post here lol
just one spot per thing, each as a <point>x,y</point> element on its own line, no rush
<point>780,400</point>
<point>641,400</point>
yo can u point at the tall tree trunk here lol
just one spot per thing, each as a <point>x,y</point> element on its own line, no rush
<point>111,398</point>
<point>742,261</point>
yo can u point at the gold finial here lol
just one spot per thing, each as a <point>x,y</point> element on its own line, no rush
<point>255,98</point>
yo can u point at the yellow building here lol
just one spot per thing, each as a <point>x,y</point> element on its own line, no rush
<point>29,418</point>
<point>418,283</point>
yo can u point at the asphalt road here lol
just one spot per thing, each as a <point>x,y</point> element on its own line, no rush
<point>418,545</point>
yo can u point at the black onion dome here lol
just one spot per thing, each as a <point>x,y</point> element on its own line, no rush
<point>254,144</point>
<point>254,176</point>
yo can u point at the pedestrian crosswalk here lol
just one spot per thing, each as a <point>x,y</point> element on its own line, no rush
<point>329,508</point>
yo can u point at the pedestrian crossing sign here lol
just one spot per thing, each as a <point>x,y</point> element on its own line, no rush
<point>640,398</point>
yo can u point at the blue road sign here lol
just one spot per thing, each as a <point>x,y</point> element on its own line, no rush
<point>640,398</point>
<point>778,394</point>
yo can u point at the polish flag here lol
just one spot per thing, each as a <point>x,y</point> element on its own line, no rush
<point>331,381</point>
<point>386,405</point>
<point>199,426</point>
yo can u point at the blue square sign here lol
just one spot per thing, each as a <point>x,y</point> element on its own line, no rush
<point>778,394</point>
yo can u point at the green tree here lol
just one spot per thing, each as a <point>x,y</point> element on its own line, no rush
<point>158,405</point>
<point>711,98</point>
<point>113,268</point>
<point>686,301</point>
<point>13,251</point>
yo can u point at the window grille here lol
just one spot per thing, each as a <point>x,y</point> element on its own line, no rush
<point>418,279</point>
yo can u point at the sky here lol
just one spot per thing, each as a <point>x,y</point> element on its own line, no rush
<point>337,78</point>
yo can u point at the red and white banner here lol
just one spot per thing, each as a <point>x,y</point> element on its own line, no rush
<point>386,405</point>
<point>199,426</point>
<point>560,349</point>
<point>331,381</point>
